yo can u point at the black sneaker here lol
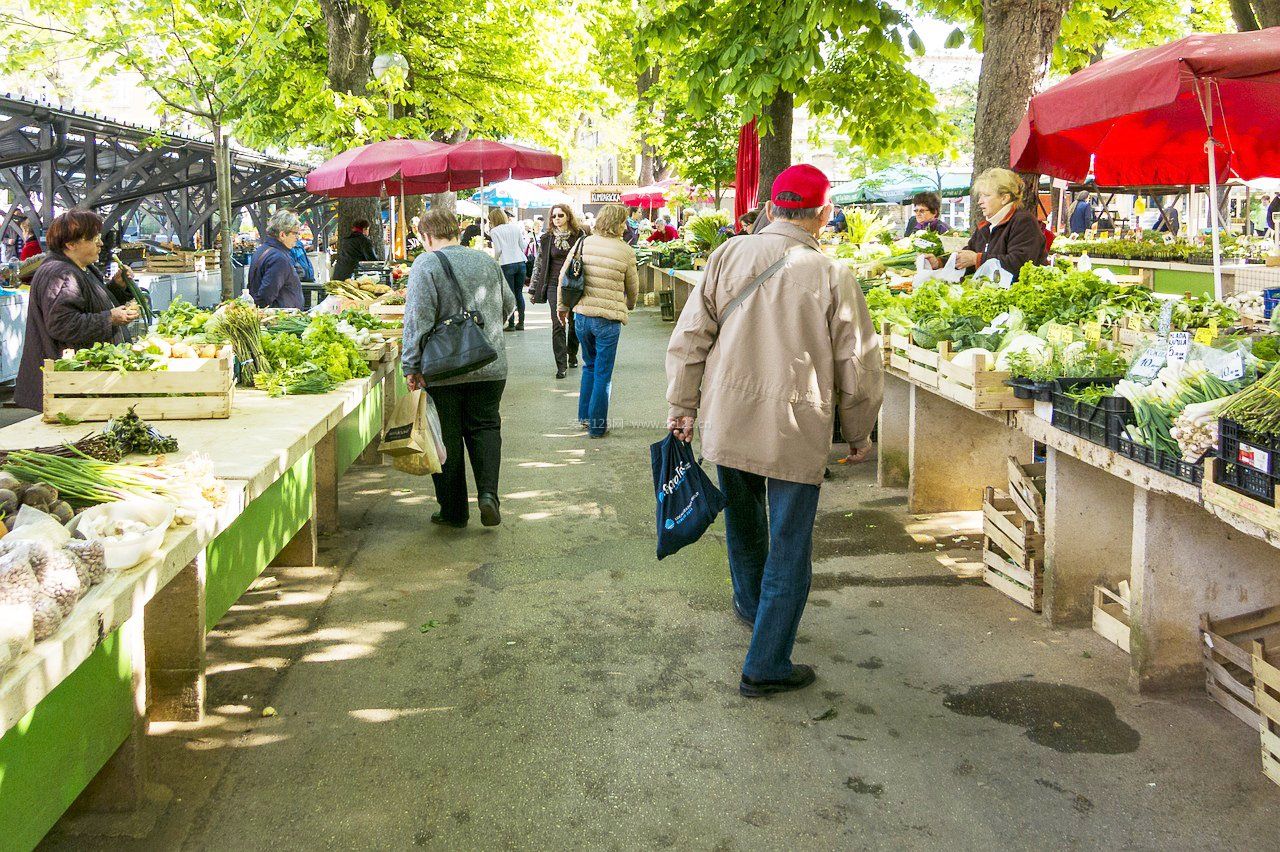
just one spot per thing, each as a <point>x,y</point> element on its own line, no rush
<point>489,514</point>
<point>438,519</point>
<point>573,362</point>
<point>560,374</point>
<point>801,676</point>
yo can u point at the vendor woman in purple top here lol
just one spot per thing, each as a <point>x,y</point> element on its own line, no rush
<point>927,205</point>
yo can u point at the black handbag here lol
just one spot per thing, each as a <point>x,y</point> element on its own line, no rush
<point>457,344</point>
<point>573,281</point>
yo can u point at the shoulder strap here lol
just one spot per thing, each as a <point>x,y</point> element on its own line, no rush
<point>753,286</point>
<point>453,279</point>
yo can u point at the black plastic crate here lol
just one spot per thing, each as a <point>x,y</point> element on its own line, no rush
<point>1030,389</point>
<point>1249,461</point>
<point>1102,423</point>
<point>1163,462</point>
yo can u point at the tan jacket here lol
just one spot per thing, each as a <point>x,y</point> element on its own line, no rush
<point>612,282</point>
<point>763,386</point>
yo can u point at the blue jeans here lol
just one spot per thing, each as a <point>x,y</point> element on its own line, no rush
<point>770,560</point>
<point>514,273</point>
<point>599,340</point>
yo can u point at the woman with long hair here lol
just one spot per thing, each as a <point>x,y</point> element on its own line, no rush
<point>610,292</point>
<point>561,235</point>
<point>508,240</point>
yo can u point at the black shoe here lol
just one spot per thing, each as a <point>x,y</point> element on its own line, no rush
<point>510,327</point>
<point>520,326</point>
<point>801,676</point>
<point>560,374</point>
<point>489,514</point>
<point>742,616</point>
<point>573,362</point>
<point>437,518</point>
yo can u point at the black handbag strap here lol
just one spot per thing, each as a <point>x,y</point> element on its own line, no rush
<point>453,279</point>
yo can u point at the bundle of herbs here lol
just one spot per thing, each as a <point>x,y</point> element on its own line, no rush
<point>135,435</point>
<point>1257,407</point>
<point>242,325</point>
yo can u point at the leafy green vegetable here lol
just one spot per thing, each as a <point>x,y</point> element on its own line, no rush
<point>120,358</point>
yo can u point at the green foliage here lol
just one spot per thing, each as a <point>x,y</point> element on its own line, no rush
<point>704,230</point>
<point>701,149</point>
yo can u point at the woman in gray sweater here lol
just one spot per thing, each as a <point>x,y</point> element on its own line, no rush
<point>467,404</point>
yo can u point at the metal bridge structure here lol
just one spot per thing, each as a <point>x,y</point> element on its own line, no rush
<point>54,159</point>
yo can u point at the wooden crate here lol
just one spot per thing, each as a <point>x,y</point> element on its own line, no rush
<point>916,363</point>
<point>1228,659</point>
<point>1026,490</point>
<point>1111,618</point>
<point>1012,550</point>
<point>190,389</point>
<point>1266,690</point>
<point>391,313</point>
<point>976,387</point>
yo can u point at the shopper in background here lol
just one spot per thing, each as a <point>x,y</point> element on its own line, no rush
<point>530,248</point>
<point>70,305</point>
<point>468,405</point>
<point>762,371</point>
<point>553,248</point>
<point>30,243</point>
<point>631,233</point>
<point>1009,234</point>
<point>926,206</point>
<point>1080,215</point>
<point>748,221</point>
<point>470,233</point>
<point>352,249</point>
<point>272,280</point>
<point>664,231</point>
<point>509,242</point>
<point>838,222</point>
<point>612,284</point>
<point>302,263</point>
<point>1170,221</point>
<point>1272,217</point>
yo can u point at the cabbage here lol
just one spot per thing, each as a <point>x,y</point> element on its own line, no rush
<point>1035,348</point>
<point>970,358</point>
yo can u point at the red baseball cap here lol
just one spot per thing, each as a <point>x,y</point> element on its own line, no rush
<point>806,181</point>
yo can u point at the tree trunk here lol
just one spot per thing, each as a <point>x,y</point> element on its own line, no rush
<point>1242,12</point>
<point>222,176</point>
<point>1268,12</point>
<point>775,146</point>
<point>648,173</point>
<point>1017,46</point>
<point>350,65</point>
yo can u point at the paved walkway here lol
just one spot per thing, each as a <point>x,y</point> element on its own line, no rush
<point>550,685</point>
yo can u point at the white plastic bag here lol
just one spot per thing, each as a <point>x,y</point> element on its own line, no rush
<point>431,458</point>
<point>993,270</point>
<point>948,272</point>
<point>34,525</point>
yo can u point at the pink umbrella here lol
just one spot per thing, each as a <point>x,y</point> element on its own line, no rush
<point>646,196</point>
<point>371,170</point>
<point>473,163</point>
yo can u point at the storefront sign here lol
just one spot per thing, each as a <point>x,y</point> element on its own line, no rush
<point>606,197</point>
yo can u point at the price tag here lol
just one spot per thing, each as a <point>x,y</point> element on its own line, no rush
<point>1179,346</point>
<point>1150,364</point>
<point>1204,336</point>
<point>1133,322</point>
<point>1213,328</point>
<point>1059,335</point>
<point>1166,318</point>
<point>1231,368</point>
<point>1093,332</point>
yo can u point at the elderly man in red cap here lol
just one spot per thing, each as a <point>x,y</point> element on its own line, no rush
<point>764,344</point>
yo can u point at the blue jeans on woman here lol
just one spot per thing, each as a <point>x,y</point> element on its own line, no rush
<point>599,340</point>
<point>769,536</point>
<point>514,273</point>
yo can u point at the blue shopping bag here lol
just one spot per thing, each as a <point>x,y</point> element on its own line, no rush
<point>688,502</point>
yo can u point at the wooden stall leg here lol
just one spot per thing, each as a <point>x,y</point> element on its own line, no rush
<point>175,646</point>
<point>954,453</point>
<point>893,434</point>
<point>1185,563</point>
<point>1089,536</point>
<point>326,455</point>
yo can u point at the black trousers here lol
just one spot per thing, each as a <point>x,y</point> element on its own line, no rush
<point>564,339</point>
<point>469,416</point>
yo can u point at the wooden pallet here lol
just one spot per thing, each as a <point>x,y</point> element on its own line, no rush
<point>1012,550</point>
<point>1266,690</point>
<point>1228,659</point>
<point>189,389</point>
<point>1111,617</point>
<point>1027,489</point>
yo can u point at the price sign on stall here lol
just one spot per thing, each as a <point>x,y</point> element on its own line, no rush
<point>1231,368</point>
<point>1179,346</point>
<point>1133,322</point>
<point>1204,336</point>
<point>1093,332</point>
<point>1150,364</point>
<point>1059,335</point>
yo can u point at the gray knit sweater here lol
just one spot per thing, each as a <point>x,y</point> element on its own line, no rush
<point>431,297</point>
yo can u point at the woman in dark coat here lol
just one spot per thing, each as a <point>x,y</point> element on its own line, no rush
<point>1009,233</point>
<point>70,305</point>
<point>553,249</point>
<point>352,249</point>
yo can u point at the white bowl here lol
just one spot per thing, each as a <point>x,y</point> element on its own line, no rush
<point>122,554</point>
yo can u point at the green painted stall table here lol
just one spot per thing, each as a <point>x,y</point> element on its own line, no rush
<point>75,709</point>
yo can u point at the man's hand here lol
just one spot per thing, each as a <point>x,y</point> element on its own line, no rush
<point>682,428</point>
<point>857,456</point>
<point>564,317</point>
<point>415,382</point>
<point>966,259</point>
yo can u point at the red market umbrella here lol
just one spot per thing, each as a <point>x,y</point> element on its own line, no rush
<point>747,176</point>
<point>471,164</point>
<point>648,197</point>
<point>371,170</point>
<point>1196,111</point>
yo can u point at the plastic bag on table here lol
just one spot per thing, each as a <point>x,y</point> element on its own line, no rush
<point>997,274</point>
<point>31,524</point>
<point>949,272</point>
